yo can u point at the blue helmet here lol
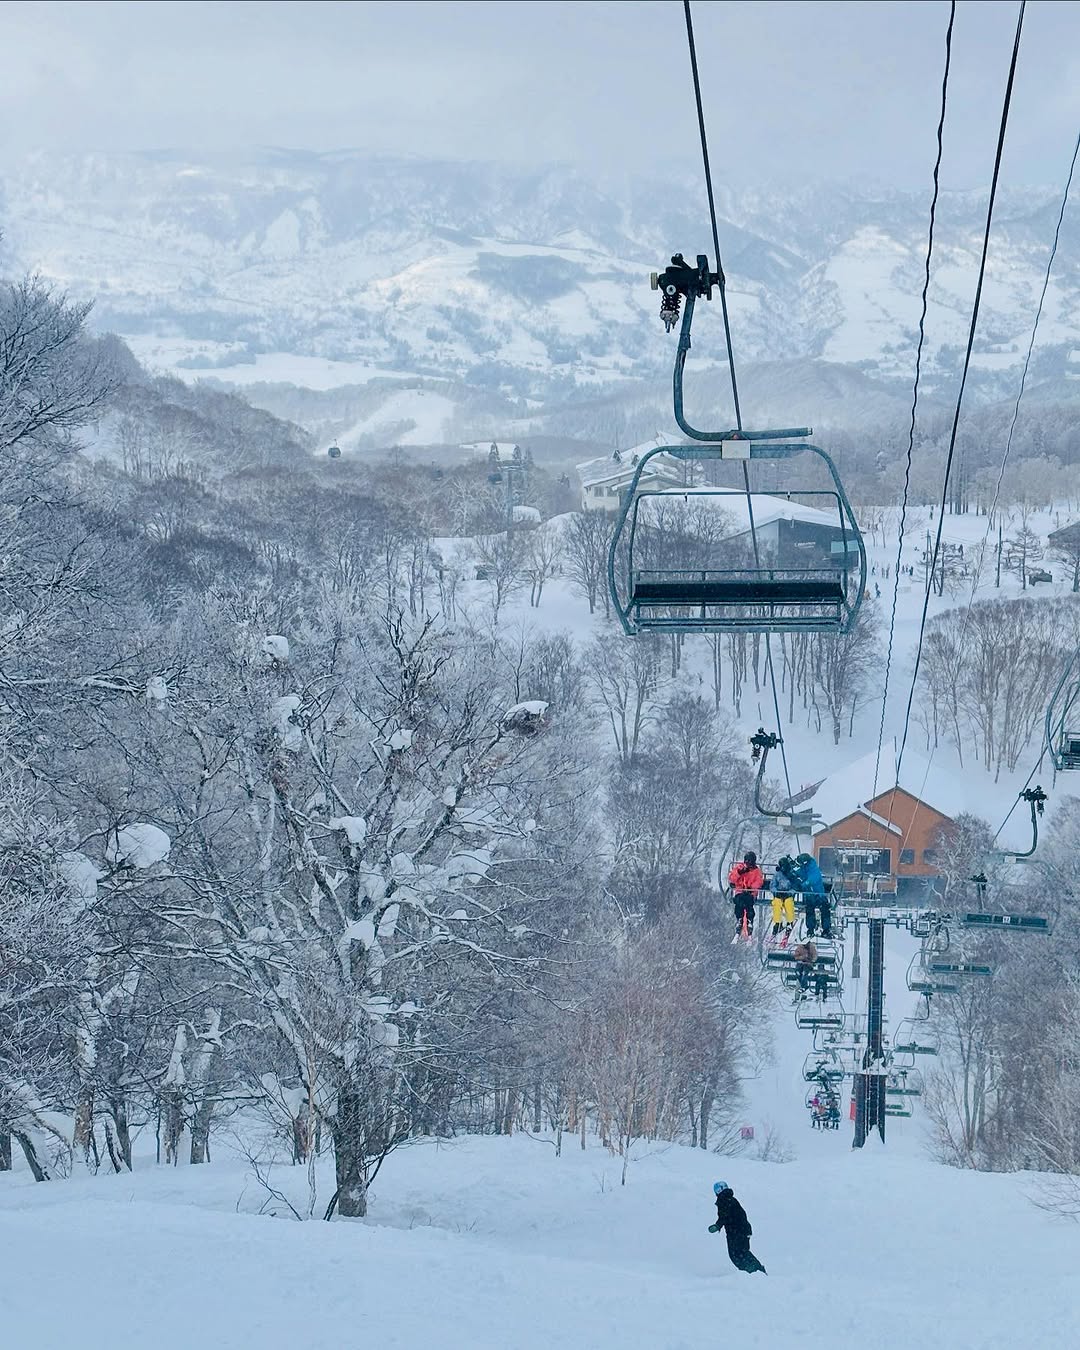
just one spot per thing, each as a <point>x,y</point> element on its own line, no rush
<point>719,1186</point>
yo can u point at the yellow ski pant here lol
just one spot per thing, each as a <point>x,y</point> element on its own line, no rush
<point>783,909</point>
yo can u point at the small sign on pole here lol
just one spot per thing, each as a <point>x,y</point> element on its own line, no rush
<point>747,1132</point>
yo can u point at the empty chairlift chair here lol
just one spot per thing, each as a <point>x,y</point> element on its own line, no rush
<point>699,582</point>
<point>819,1014</point>
<point>1063,719</point>
<point>712,560</point>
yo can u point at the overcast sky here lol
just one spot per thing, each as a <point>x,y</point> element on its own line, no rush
<point>792,89</point>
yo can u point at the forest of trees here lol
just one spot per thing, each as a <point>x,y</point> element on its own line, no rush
<point>287,834</point>
<point>291,832</point>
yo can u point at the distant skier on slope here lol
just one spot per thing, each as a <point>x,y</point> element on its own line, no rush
<point>812,885</point>
<point>731,1217</point>
<point>746,880</point>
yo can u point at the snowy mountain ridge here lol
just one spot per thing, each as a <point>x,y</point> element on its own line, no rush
<point>529,282</point>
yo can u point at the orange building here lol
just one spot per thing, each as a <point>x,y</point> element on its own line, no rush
<point>884,840</point>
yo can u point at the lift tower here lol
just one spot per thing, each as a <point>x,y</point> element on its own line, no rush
<point>870,1082</point>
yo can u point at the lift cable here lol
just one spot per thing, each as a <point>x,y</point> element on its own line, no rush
<point>1008,449</point>
<point>915,391</point>
<point>721,280</point>
<point>1034,333</point>
<point>722,286</point>
<point>963,383</point>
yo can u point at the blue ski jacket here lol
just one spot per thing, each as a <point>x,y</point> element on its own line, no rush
<point>810,878</point>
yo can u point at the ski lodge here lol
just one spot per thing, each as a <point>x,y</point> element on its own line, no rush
<point>604,480</point>
<point>885,841</point>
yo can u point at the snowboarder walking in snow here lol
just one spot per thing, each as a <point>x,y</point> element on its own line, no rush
<point>746,880</point>
<point>812,885</point>
<point>731,1217</point>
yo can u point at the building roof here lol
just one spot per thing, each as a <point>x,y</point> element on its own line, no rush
<point>1067,535</point>
<point>767,508</point>
<point>621,464</point>
<point>848,790</point>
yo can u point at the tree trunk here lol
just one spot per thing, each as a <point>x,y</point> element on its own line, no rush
<point>82,1137</point>
<point>350,1160</point>
<point>32,1160</point>
<point>118,1111</point>
<point>703,1118</point>
<point>174,1124</point>
<point>5,1152</point>
<point>200,1130</point>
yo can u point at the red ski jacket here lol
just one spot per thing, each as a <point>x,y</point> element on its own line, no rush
<point>743,878</point>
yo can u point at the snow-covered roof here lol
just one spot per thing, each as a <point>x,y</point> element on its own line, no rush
<point>767,508</point>
<point>607,469</point>
<point>622,463</point>
<point>850,788</point>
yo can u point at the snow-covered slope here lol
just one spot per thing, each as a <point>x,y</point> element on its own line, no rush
<point>523,280</point>
<point>480,1244</point>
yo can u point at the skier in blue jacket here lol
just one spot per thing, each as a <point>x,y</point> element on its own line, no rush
<point>812,885</point>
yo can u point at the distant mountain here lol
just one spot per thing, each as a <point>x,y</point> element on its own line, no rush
<point>528,284</point>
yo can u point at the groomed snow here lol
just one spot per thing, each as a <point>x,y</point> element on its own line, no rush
<point>484,1244</point>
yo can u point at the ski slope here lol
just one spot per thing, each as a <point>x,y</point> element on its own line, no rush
<point>495,1243</point>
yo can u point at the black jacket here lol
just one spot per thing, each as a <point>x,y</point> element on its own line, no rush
<point>731,1215</point>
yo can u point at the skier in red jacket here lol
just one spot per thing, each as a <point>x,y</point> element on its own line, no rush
<point>746,880</point>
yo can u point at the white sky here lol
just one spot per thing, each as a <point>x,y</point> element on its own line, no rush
<point>835,89</point>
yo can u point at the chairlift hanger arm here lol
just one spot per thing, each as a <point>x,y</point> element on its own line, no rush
<point>1036,799</point>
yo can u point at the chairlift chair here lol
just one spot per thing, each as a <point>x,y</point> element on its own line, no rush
<point>665,590</point>
<point>822,1067</point>
<point>920,979</point>
<point>1010,923</point>
<point>902,1108</point>
<point>961,968</point>
<point>903,1083</point>
<point>1068,756</point>
<point>812,1014</point>
<point>830,978</point>
<point>1063,719</point>
<point>655,589</point>
<point>783,959</point>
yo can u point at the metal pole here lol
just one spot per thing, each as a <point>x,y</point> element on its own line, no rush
<point>870,1084</point>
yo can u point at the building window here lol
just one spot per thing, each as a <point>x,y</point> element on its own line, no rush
<point>827,859</point>
<point>929,855</point>
<point>907,855</point>
<point>863,860</point>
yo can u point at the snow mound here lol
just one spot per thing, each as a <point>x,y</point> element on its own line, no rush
<point>157,692</point>
<point>276,647</point>
<point>138,845</point>
<point>283,715</point>
<point>80,874</point>
<point>402,739</point>
<point>528,716</point>
<point>354,827</point>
